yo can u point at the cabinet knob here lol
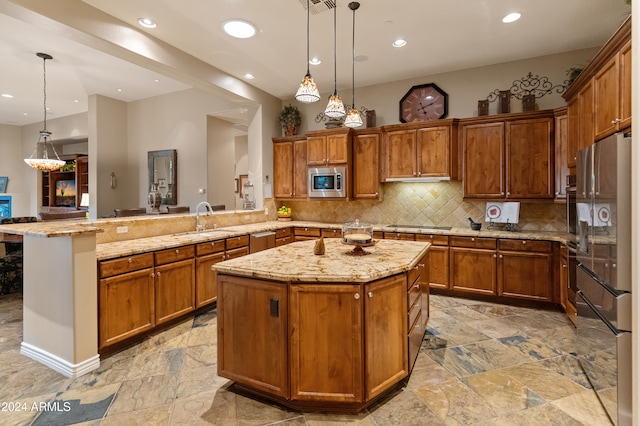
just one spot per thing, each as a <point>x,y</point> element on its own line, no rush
<point>524,242</point>
<point>613,265</point>
<point>376,194</point>
<point>177,251</point>
<point>499,256</point>
<point>421,265</point>
<point>564,266</point>
<point>473,239</point>
<point>502,193</point>
<point>370,294</point>
<point>130,260</point>
<point>494,256</point>
<point>158,274</point>
<point>417,286</point>
<point>616,121</point>
<point>356,296</point>
<point>153,275</point>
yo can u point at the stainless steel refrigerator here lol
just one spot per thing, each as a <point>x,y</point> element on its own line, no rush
<point>603,204</point>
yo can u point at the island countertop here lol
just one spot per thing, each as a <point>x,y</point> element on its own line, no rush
<point>296,262</point>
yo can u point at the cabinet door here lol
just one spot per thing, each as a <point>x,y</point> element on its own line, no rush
<point>438,267</point>
<point>300,174</point>
<point>526,275</point>
<point>606,84</point>
<point>338,149</point>
<point>473,270</point>
<point>530,159</point>
<point>283,169</point>
<point>483,160</point>
<point>252,319</point>
<point>316,150</point>
<point>625,87</point>
<point>175,290</point>
<point>206,279</point>
<point>573,131</point>
<point>366,166</point>
<point>401,154</point>
<point>433,152</point>
<point>586,116</point>
<point>564,277</point>
<point>126,306</point>
<point>326,342</point>
<point>561,169</point>
<point>385,313</point>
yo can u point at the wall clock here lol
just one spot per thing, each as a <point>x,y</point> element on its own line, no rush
<point>424,102</point>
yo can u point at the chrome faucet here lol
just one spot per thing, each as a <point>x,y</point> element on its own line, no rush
<point>200,228</point>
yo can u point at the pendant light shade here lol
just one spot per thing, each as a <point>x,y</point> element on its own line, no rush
<point>354,119</point>
<point>308,91</point>
<point>43,162</point>
<point>335,107</point>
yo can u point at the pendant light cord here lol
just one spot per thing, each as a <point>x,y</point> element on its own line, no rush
<point>308,73</point>
<point>335,60</point>
<point>44,73</point>
<point>353,59</point>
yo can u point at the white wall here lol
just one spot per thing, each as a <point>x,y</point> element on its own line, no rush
<point>464,87</point>
<point>241,147</point>
<point>221,166</point>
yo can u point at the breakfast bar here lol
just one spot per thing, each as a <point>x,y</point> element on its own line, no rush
<point>328,332</point>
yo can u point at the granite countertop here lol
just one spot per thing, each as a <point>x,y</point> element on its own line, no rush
<point>59,228</point>
<point>296,262</point>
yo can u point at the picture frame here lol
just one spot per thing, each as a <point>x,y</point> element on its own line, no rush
<point>65,193</point>
<point>3,184</point>
<point>162,183</point>
<point>236,185</point>
<point>242,180</point>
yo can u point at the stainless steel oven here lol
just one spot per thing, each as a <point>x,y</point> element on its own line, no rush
<point>327,182</point>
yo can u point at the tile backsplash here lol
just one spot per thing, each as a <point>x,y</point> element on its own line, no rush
<point>434,203</point>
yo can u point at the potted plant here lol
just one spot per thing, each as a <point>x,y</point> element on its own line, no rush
<point>290,120</point>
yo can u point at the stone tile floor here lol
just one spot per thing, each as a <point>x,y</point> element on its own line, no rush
<point>480,364</point>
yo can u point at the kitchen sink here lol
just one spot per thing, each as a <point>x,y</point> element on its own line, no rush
<point>444,228</point>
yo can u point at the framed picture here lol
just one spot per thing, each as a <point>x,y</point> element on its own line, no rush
<point>162,183</point>
<point>236,186</point>
<point>66,193</point>
<point>243,179</point>
<point>3,184</point>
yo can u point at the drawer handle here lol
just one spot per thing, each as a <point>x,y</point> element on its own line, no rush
<point>356,296</point>
<point>524,242</point>
<point>130,260</point>
<point>417,286</point>
<point>473,239</point>
<point>370,294</point>
<point>421,265</point>
<point>177,251</point>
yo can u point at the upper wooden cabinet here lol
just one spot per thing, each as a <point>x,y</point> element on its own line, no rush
<point>328,147</point>
<point>509,157</point>
<point>421,150</point>
<point>366,164</point>
<point>599,100</point>
<point>561,168</point>
<point>290,167</point>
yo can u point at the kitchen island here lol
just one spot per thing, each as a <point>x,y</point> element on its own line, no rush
<point>326,332</point>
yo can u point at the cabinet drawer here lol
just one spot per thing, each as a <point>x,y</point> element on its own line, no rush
<point>525,245</point>
<point>109,268</point>
<point>413,294</point>
<point>378,235</point>
<point>416,333</point>
<point>235,242</point>
<point>232,254</point>
<point>174,254</point>
<point>399,236</point>
<point>332,233</point>
<point>284,241</point>
<point>210,247</point>
<point>436,240</point>
<point>414,311</point>
<point>414,275</point>
<point>307,232</point>
<point>284,232</point>
<point>473,242</point>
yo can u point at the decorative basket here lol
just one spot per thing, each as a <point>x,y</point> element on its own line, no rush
<point>284,216</point>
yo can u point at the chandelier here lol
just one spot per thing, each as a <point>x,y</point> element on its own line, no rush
<point>44,163</point>
<point>308,91</point>
<point>335,107</point>
<point>353,119</point>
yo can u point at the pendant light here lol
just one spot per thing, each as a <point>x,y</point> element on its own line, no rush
<point>354,119</point>
<point>308,91</point>
<point>44,163</point>
<point>335,107</point>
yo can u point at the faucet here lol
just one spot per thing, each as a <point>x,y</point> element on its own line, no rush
<point>200,228</point>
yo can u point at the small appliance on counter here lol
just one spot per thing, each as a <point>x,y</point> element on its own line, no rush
<point>359,235</point>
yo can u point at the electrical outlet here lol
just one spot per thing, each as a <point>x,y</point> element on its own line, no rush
<point>122,229</point>
<point>246,217</point>
<point>266,211</point>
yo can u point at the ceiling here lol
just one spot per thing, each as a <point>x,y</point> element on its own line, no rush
<point>442,36</point>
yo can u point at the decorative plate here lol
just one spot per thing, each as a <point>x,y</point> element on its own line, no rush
<point>604,214</point>
<point>493,211</point>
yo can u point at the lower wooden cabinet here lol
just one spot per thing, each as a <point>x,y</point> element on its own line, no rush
<point>283,236</point>
<point>207,254</point>
<point>302,234</point>
<point>525,270</point>
<point>174,290</point>
<point>253,320</point>
<point>473,265</point>
<point>438,265</point>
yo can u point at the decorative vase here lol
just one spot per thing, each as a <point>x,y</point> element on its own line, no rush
<point>155,198</point>
<point>290,130</point>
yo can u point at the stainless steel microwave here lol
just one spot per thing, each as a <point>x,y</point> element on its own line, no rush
<point>327,182</point>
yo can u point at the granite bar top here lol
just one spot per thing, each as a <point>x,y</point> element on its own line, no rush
<point>296,262</point>
<point>59,228</point>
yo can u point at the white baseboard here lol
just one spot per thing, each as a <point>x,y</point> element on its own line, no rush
<point>58,364</point>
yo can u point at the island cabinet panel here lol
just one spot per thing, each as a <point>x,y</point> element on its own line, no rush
<point>252,333</point>
<point>438,264</point>
<point>526,270</point>
<point>326,342</point>
<point>366,165</point>
<point>126,306</point>
<point>174,283</point>
<point>473,265</point>
<point>483,160</point>
<point>385,348</point>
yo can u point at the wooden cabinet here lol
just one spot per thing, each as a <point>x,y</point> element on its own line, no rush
<point>207,254</point>
<point>331,233</point>
<point>290,168</point>
<point>283,236</point>
<point>79,178</point>
<point>579,123</point>
<point>302,234</point>
<point>561,142</point>
<point>510,158</point>
<point>236,247</point>
<point>417,308</point>
<point>125,298</point>
<point>174,283</point>
<point>366,164</point>
<point>326,337</point>
<point>329,147</point>
<point>399,236</point>
<point>526,270</point>
<point>386,359</point>
<point>568,305</point>
<point>473,265</point>
<point>414,152</point>
<point>259,309</point>
<point>438,265</point>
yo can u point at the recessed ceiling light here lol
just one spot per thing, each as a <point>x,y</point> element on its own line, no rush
<point>76,101</point>
<point>25,113</point>
<point>239,29</point>
<point>118,90</point>
<point>399,43</point>
<point>249,76</point>
<point>512,17</point>
<point>315,61</point>
<point>156,80</point>
<point>7,95</point>
<point>147,23</point>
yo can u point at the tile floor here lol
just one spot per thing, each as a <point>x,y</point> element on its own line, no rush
<point>480,364</point>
